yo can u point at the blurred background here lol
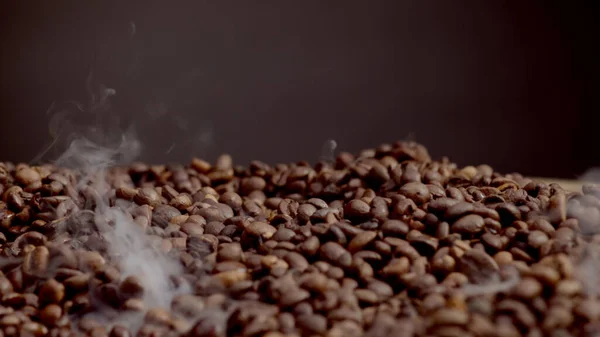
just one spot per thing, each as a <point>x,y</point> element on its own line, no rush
<point>508,83</point>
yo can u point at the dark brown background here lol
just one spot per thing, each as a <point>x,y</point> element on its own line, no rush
<point>510,83</point>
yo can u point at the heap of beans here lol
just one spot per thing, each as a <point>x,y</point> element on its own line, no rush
<point>387,242</point>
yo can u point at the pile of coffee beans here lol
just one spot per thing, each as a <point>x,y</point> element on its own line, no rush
<point>386,242</point>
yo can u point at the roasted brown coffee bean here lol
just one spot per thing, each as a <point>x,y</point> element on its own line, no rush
<point>33,329</point>
<point>310,246</point>
<point>296,261</point>
<point>315,324</point>
<point>90,260</point>
<point>119,331</point>
<point>131,286</point>
<point>192,229</point>
<point>394,228</point>
<point>361,240</point>
<point>558,208</point>
<point>426,246</point>
<point>478,266</point>
<point>492,241</point>
<point>77,282</point>
<point>181,201</point>
<point>357,210</point>
<point>468,224</point>
<point>508,213</point>
<point>147,196</point>
<point>26,176</point>
<point>51,291</point>
<point>336,254</point>
<point>447,316</point>
<point>416,191</point>
<point>214,227</point>
<point>260,229</point>
<point>545,274</point>
<point>517,310</point>
<point>230,252</point>
<point>36,261</point>
<point>162,214</point>
<point>347,247</point>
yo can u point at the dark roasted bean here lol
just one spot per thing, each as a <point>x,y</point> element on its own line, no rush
<point>361,240</point>
<point>51,291</point>
<point>387,242</point>
<point>468,224</point>
<point>394,228</point>
<point>357,210</point>
<point>478,266</point>
<point>335,253</point>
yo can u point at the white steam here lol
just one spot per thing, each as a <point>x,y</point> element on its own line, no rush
<point>96,144</point>
<point>510,279</point>
<point>328,151</point>
<point>586,254</point>
<point>587,269</point>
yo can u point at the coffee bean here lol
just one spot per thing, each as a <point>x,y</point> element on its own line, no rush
<point>181,201</point>
<point>36,261</point>
<point>310,246</point>
<point>33,329</point>
<point>230,252</point>
<point>119,331</point>
<point>51,314</point>
<point>545,274</point>
<point>336,254</point>
<point>478,266</point>
<point>51,291</point>
<point>537,238</point>
<point>402,247</point>
<point>162,214</point>
<point>251,208</point>
<point>528,288</point>
<point>126,193</point>
<point>558,208</point>
<point>90,260</point>
<point>468,224</point>
<point>459,209</point>
<point>361,240</point>
<point>27,176</point>
<point>147,196</point>
<point>134,305</point>
<point>569,288</point>
<point>214,227</point>
<point>508,213</point>
<point>357,210</point>
<point>346,247</point>
<point>77,282</point>
<point>283,234</point>
<point>30,238</point>
<point>517,310</point>
<point>424,244</point>
<point>315,324</point>
<point>296,261</point>
<point>394,228</point>
<point>441,205</point>
<point>232,199</point>
<point>130,287</point>
<point>108,293</point>
<point>348,229</point>
<point>252,184</point>
<point>260,229</point>
<point>492,241</point>
<point>588,309</point>
<point>192,229</point>
<point>416,191</point>
<point>447,316</point>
